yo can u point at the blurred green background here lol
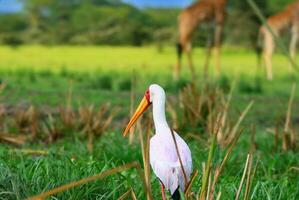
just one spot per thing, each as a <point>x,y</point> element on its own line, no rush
<point>114,22</point>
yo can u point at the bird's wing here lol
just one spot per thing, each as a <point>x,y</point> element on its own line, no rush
<point>186,157</point>
<point>165,162</point>
<point>164,166</point>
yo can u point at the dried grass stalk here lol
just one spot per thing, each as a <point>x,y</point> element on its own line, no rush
<point>2,87</point>
<point>223,122</point>
<point>193,108</point>
<point>3,116</point>
<point>294,168</point>
<point>132,104</point>
<point>243,177</point>
<point>250,178</point>
<point>31,152</point>
<point>208,167</point>
<point>189,185</point>
<point>125,195</point>
<point>26,122</point>
<point>179,156</point>
<point>219,169</point>
<point>85,180</point>
<point>14,139</point>
<point>133,195</point>
<point>218,195</point>
<point>241,118</point>
<point>67,113</point>
<point>145,157</point>
<point>52,129</point>
<point>289,135</point>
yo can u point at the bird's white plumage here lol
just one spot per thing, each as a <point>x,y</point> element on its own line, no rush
<point>163,155</point>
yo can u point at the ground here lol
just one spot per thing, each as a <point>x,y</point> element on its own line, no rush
<point>42,76</point>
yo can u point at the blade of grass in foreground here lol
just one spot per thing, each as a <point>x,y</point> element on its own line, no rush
<point>289,109</point>
<point>125,195</point>
<point>85,180</point>
<point>220,168</point>
<point>248,160</point>
<point>208,168</point>
<point>30,151</point>
<point>145,157</point>
<point>250,180</point>
<point>189,185</point>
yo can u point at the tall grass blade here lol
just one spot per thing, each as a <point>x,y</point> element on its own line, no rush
<point>250,180</point>
<point>243,177</point>
<point>133,195</point>
<point>145,158</point>
<point>218,195</point>
<point>289,109</point>
<point>220,168</point>
<point>208,167</point>
<point>241,118</point>
<point>132,104</point>
<point>189,185</point>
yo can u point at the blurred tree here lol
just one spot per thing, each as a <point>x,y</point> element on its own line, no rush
<point>36,11</point>
<point>11,29</point>
<point>99,25</point>
<point>242,23</point>
<point>116,23</point>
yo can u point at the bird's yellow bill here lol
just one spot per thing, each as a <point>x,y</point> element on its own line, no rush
<point>144,104</point>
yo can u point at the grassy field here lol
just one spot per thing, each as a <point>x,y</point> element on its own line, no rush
<point>43,76</point>
<point>124,59</point>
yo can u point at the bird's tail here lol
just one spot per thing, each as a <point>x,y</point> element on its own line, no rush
<point>176,195</point>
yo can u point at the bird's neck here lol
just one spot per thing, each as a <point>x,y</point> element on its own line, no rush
<point>159,114</point>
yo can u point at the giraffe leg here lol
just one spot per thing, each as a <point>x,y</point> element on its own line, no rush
<point>293,45</point>
<point>207,62</point>
<point>189,56</point>
<point>208,55</point>
<point>218,62</point>
<point>163,191</point>
<point>268,64</point>
<point>176,72</point>
<point>218,32</point>
<point>268,51</point>
<point>177,68</point>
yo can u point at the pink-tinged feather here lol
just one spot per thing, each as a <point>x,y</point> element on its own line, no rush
<point>165,161</point>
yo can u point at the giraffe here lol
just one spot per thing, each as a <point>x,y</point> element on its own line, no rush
<point>286,20</point>
<point>212,11</point>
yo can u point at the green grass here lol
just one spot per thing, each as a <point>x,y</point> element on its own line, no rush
<point>42,75</point>
<point>124,59</point>
<point>22,175</point>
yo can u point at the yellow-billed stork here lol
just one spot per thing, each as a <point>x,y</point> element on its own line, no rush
<point>164,150</point>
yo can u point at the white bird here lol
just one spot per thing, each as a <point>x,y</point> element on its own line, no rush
<point>164,158</point>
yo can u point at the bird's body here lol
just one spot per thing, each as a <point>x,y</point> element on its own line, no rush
<point>165,161</point>
<point>164,158</point>
<point>165,152</point>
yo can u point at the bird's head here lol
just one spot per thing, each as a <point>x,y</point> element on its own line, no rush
<point>150,94</point>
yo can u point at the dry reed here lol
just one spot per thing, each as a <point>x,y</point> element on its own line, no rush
<point>85,181</point>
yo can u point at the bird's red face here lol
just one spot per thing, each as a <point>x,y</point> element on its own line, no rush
<point>147,95</point>
<point>143,106</point>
